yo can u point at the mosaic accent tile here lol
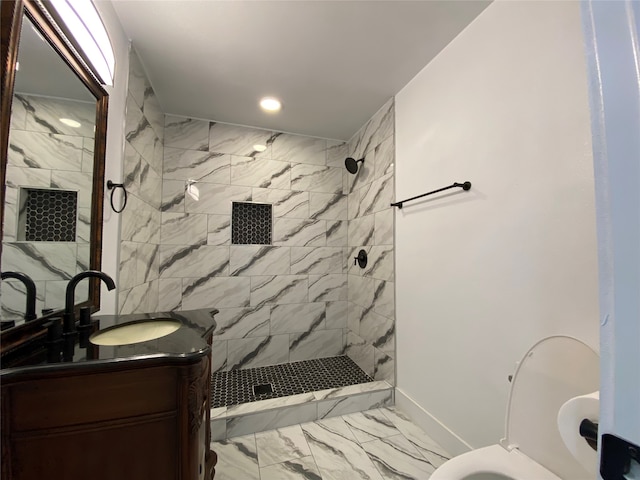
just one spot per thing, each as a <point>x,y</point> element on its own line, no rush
<point>251,223</point>
<point>234,387</point>
<point>50,215</point>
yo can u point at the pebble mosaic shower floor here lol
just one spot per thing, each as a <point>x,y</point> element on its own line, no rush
<point>237,386</point>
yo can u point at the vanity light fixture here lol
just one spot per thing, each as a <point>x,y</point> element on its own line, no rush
<point>70,123</point>
<point>88,32</point>
<point>270,104</point>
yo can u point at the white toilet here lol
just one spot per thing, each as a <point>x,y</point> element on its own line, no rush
<point>553,371</point>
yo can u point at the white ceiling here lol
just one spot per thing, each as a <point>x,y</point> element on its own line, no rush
<point>332,63</point>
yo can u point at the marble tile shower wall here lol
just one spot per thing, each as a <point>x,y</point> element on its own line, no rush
<point>44,153</point>
<point>370,338</point>
<point>278,303</point>
<point>138,282</point>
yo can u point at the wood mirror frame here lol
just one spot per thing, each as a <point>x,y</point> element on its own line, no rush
<point>12,14</point>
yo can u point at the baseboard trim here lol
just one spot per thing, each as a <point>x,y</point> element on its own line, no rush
<point>451,442</point>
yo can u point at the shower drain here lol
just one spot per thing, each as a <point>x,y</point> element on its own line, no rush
<point>262,389</point>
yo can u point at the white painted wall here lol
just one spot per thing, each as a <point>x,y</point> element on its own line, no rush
<point>482,275</point>
<point>115,151</point>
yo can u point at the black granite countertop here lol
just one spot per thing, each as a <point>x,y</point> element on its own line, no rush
<point>187,341</point>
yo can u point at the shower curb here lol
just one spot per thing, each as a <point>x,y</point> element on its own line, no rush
<point>253,417</point>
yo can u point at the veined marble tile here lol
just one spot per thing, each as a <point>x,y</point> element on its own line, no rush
<point>40,260</point>
<point>370,425</point>
<point>361,231</point>
<point>83,257</point>
<point>173,196</point>
<point>336,314</point>
<point>297,317</point>
<point>219,230</point>
<point>361,290</point>
<point>170,294</point>
<point>286,203</point>
<point>315,344</point>
<point>237,458</point>
<point>237,140</point>
<point>132,166</point>
<point>153,112</point>
<point>183,228</point>
<point>354,403</point>
<point>139,224</point>
<point>327,288</point>
<point>282,417</point>
<point>384,298</point>
<point>260,172</point>
<point>27,177</point>
<point>337,233</point>
<point>137,79</point>
<point>384,367</point>
<point>217,199</point>
<point>384,157</point>
<point>316,178</point>
<point>45,150</point>
<point>187,133</point>
<point>128,265</point>
<point>269,404</point>
<point>296,469</point>
<point>218,292</point>
<point>219,357</point>
<point>141,298</point>
<point>249,260</point>
<point>138,131</point>
<point>433,452</point>
<point>18,113</point>
<point>232,323</point>
<point>337,453</point>
<point>54,293</point>
<point>150,185</point>
<point>80,182</point>
<point>377,196</point>
<point>380,264</point>
<point>355,314</point>
<point>279,289</point>
<point>43,115</point>
<point>193,260</point>
<point>350,390</point>
<point>378,331</point>
<point>281,445</point>
<point>298,149</point>
<point>316,260</point>
<point>203,166</point>
<point>299,232</point>
<point>88,147</point>
<point>353,200</point>
<point>384,227</point>
<point>327,206</point>
<point>377,129</point>
<point>257,352</point>
<point>337,152</point>
<point>397,459</point>
<point>13,294</point>
<point>148,261</point>
<point>361,353</point>
<point>218,430</point>
<point>219,412</point>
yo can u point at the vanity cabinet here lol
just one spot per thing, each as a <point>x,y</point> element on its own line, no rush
<point>146,419</point>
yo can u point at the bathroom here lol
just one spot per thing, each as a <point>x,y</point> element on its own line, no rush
<point>478,276</point>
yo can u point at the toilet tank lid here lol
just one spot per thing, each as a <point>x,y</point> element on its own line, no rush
<point>554,370</point>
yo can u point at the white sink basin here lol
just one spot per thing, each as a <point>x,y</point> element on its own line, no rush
<point>135,332</point>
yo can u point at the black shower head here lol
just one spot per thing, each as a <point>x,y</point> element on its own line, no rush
<point>352,165</point>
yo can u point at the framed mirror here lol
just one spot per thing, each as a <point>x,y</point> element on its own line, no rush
<point>53,132</point>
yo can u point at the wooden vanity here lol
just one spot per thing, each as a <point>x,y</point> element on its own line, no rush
<point>129,413</point>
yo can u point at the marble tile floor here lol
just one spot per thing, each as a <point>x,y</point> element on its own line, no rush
<point>377,444</point>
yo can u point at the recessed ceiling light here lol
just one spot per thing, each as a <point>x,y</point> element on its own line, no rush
<point>270,104</point>
<point>71,123</point>
<point>259,148</point>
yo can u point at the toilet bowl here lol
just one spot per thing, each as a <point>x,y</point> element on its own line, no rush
<point>554,370</point>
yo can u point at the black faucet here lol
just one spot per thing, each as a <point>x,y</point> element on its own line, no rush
<point>69,320</point>
<point>30,311</point>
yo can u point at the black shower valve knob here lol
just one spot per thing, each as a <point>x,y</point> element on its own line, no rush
<point>361,259</point>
